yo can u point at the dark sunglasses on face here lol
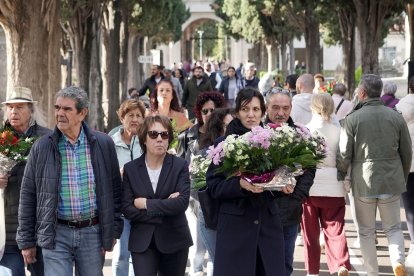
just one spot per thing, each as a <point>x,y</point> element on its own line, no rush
<point>205,111</point>
<point>154,134</point>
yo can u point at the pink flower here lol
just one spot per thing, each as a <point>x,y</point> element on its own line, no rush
<point>259,137</point>
<point>216,153</point>
<point>274,126</point>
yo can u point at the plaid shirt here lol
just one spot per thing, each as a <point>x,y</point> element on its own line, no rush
<point>77,197</point>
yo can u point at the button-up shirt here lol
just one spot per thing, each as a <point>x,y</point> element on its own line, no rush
<point>77,197</point>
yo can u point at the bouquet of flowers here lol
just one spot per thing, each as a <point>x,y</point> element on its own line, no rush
<point>12,150</point>
<point>269,156</point>
<point>328,87</point>
<point>198,170</point>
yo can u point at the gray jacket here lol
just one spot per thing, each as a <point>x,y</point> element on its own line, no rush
<point>39,194</point>
<point>376,143</point>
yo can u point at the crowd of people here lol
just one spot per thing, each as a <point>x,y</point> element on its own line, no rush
<point>81,192</point>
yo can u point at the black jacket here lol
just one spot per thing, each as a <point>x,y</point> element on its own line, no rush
<point>12,191</point>
<point>150,84</point>
<point>290,205</point>
<point>164,220</point>
<point>39,194</point>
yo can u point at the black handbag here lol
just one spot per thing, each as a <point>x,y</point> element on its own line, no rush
<point>210,208</point>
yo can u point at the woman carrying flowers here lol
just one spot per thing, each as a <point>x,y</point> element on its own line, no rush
<point>20,124</point>
<point>249,230</point>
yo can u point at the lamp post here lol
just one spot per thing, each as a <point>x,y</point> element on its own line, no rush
<point>201,44</point>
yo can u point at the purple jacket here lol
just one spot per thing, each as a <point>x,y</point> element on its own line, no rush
<point>389,100</point>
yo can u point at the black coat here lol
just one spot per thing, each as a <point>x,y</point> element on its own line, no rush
<point>39,194</point>
<point>164,220</point>
<point>247,224</point>
<point>290,205</point>
<point>12,191</point>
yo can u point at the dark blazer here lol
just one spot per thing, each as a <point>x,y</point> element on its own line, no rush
<point>164,218</point>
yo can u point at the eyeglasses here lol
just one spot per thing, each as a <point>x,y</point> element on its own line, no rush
<point>205,111</point>
<point>154,134</point>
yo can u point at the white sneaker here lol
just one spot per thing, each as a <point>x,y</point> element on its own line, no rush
<point>299,240</point>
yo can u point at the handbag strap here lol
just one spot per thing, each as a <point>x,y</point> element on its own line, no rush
<point>339,105</point>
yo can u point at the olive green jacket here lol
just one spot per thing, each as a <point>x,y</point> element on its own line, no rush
<point>376,143</point>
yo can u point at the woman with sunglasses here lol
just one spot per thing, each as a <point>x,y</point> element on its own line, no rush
<point>156,191</point>
<point>165,102</point>
<point>249,230</point>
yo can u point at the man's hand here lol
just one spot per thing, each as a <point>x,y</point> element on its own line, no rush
<point>4,178</point>
<point>103,251</point>
<point>29,255</point>
<point>250,187</point>
<point>140,203</point>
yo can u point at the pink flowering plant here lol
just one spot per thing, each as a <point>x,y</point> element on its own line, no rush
<point>259,154</point>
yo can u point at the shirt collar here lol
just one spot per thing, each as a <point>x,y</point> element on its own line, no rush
<point>80,140</point>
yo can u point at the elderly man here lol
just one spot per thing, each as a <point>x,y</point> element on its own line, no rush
<point>278,107</point>
<point>71,195</point>
<point>20,119</point>
<point>301,112</point>
<point>376,143</point>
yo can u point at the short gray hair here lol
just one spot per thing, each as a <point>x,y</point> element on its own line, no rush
<point>390,88</point>
<point>77,94</point>
<point>372,85</point>
<point>339,89</point>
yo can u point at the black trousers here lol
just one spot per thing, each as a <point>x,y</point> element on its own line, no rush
<point>408,201</point>
<point>152,261</point>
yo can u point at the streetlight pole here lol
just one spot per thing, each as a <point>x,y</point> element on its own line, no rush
<point>201,44</point>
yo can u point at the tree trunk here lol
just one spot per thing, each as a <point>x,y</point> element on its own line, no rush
<point>112,25</point>
<point>369,18</point>
<point>347,27</point>
<point>33,56</point>
<point>269,57</point>
<point>283,50</point>
<point>410,13</point>
<point>123,70</point>
<point>83,29</point>
<point>292,57</point>
<point>134,68</point>
<point>312,40</point>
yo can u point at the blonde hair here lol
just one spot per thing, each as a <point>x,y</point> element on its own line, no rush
<point>323,105</point>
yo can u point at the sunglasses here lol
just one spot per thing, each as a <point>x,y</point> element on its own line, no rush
<point>205,111</point>
<point>154,134</point>
<point>277,90</point>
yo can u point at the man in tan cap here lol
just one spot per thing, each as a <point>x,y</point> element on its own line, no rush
<point>19,112</point>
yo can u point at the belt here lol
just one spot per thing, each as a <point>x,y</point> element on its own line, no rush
<point>79,223</point>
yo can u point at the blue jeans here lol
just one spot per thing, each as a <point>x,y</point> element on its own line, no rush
<point>205,240</point>
<point>82,246</point>
<point>12,263</point>
<point>121,257</point>
<point>289,233</point>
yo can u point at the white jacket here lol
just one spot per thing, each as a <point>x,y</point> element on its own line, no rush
<point>406,107</point>
<point>301,112</point>
<point>325,182</point>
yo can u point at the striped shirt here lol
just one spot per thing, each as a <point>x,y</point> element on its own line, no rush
<point>77,197</point>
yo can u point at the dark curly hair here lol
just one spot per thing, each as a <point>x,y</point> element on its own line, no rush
<point>174,105</point>
<point>204,97</point>
<point>215,126</point>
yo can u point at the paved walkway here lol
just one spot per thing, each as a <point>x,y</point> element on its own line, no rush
<point>356,258</point>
